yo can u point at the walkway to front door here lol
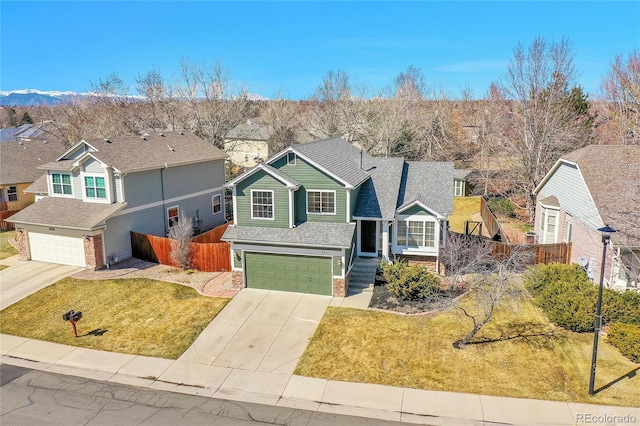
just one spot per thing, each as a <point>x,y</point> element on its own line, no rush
<point>260,330</point>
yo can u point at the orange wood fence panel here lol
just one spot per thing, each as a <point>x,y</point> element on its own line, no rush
<point>4,225</point>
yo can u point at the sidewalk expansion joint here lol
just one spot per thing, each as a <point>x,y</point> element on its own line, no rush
<point>181,384</point>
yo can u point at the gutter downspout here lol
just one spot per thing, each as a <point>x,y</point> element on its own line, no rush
<point>164,207</point>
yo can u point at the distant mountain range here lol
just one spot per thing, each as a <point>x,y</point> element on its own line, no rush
<point>33,97</point>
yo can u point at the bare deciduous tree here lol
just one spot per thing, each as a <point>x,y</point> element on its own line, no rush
<point>463,255</point>
<point>621,88</point>
<point>180,234</point>
<point>538,114</point>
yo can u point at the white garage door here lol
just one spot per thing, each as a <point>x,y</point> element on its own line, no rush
<point>57,249</point>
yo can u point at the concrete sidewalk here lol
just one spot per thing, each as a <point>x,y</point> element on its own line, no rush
<point>356,399</point>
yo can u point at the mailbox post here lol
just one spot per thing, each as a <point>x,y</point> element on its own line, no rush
<point>73,317</point>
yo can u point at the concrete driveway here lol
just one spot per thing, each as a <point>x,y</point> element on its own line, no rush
<point>25,278</point>
<point>260,330</point>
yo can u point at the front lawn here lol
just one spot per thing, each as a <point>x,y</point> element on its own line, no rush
<point>7,249</point>
<point>528,357</point>
<point>134,316</point>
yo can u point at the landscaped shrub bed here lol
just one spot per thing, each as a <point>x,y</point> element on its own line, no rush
<point>626,337</point>
<point>568,297</point>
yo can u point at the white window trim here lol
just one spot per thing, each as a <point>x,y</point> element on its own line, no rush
<point>50,182</point>
<point>213,204</point>
<point>568,226</point>
<point>9,194</point>
<point>335,201</point>
<point>292,155</point>
<point>273,204</point>
<point>544,225</point>
<point>458,188</point>
<point>420,249</point>
<point>107,189</point>
<point>177,207</point>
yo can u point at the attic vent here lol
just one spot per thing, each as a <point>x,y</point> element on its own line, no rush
<point>107,140</point>
<point>144,138</point>
<point>21,143</point>
<point>171,148</point>
<point>162,134</point>
<point>145,134</point>
<point>182,133</point>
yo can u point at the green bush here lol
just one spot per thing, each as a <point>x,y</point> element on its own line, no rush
<point>413,282</point>
<point>501,205</point>
<point>569,298</point>
<point>565,294</point>
<point>621,307</point>
<point>626,337</point>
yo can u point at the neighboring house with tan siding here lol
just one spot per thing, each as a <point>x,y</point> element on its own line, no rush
<point>101,189</point>
<point>585,190</point>
<point>247,144</point>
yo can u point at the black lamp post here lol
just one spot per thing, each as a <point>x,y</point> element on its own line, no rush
<point>606,238</point>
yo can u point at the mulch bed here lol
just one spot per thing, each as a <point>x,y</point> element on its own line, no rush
<point>384,300</point>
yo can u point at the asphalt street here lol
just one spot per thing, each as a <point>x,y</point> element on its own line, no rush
<point>32,397</point>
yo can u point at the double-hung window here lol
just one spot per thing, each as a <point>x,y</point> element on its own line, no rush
<point>321,202</point>
<point>173,214</point>
<point>261,204</point>
<point>94,187</point>
<point>216,203</point>
<point>12,193</point>
<point>61,183</point>
<point>412,233</point>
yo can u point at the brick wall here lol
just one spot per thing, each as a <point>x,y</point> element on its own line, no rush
<point>428,262</point>
<point>237,280</point>
<point>93,253</point>
<point>23,244</point>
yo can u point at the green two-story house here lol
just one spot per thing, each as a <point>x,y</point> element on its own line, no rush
<point>301,217</point>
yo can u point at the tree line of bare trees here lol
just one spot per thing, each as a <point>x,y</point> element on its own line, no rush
<point>511,135</point>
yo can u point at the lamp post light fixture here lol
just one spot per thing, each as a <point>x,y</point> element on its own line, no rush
<point>606,232</point>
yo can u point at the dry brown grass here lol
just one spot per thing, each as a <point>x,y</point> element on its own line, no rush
<point>135,316</point>
<point>531,359</point>
<point>7,249</point>
<point>463,208</point>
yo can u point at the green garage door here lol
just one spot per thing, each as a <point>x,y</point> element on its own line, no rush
<point>303,274</point>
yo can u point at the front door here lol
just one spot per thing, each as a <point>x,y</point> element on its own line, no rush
<point>368,236</point>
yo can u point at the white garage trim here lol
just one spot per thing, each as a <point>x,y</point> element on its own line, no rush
<point>57,249</point>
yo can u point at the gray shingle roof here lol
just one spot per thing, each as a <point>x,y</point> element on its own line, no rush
<point>133,153</point>
<point>306,234</point>
<point>66,213</point>
<point>282,175</point>
<point>39,186</point>
<point>429,183</point>
<point>612,174</point>
<point>337,156</point>
<point>379,195</point>
<point>250,131</point>
<point>19,160</point>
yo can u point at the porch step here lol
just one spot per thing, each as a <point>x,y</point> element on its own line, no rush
<point>363,275</point>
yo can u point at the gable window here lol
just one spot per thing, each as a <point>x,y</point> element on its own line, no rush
<point>61,183</point>
<point>291,158</point>
<point>412,233</point>
<point>12,193</point>
<point>321,202</point>
<point>216,202</point>
<point>261,204</point>
<point>172,216</point>
<point>94,187</point>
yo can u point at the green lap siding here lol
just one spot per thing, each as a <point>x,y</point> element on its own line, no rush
<point>303,274</point>
<point>261,181</point>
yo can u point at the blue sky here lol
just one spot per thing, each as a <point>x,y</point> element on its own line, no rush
<point>287,47</point>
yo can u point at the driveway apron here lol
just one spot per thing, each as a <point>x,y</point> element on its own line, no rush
<point>25,278</point>
<point>260,330</point>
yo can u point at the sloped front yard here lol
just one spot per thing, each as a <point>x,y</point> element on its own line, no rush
<point>134,316</point>
<point>528,357</point>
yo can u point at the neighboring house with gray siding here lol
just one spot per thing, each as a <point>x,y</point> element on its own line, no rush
<point>100,190</point>
<point>585,190</point>
<point>302,216</point>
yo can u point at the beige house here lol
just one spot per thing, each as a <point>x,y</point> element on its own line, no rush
<point>18,169</point>
<point>247,144</point>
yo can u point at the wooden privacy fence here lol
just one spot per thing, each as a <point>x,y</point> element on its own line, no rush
<point>535,253</point>
<point>205,256</point>
<point>4,225</point>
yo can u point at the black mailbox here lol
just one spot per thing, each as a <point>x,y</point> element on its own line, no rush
<point>76,316</point>
<point>67,315</point>
<point>73,317</point>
